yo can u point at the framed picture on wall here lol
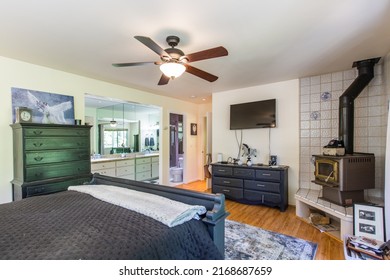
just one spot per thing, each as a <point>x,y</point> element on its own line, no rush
<point>194,129</point>
<point>369,221</point>
<point>46,107</point>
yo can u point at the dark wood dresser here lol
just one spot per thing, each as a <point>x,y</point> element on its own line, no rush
<point>48,158</point>
<point>256,184</point>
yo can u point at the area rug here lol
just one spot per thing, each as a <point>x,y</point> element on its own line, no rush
<point>246,242</point>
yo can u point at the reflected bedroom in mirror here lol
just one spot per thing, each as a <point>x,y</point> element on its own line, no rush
<point>121,128</point>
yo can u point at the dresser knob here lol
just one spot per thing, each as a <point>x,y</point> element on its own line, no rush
<point>38,158</point>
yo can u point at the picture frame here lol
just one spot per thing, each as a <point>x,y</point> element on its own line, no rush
<point>46,107</point>
<point>369,221</point>
<point>194,129</point>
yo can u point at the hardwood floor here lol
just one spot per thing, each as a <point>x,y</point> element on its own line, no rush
<point>286,223</point>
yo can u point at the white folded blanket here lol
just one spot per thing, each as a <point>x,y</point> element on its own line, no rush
<point>167,211</point>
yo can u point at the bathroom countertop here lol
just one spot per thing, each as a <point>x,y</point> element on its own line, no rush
<point>128,156</point>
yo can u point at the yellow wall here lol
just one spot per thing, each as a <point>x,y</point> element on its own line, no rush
<point>19,74</point>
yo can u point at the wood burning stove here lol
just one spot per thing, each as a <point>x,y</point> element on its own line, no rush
<point>344,178</point>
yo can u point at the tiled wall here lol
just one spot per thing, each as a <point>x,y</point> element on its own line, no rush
<point>319,106</point>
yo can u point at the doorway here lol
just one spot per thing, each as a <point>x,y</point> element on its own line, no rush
<point>176,152</point>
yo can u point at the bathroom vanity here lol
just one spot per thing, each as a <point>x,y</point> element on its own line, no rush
<point>139,167</point>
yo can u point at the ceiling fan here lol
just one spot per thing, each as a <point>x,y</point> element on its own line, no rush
<point>173,62</point>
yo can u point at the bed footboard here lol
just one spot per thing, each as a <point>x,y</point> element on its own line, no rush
<point>214,203</point>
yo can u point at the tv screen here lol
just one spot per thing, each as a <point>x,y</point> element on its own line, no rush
<point>258,114</point>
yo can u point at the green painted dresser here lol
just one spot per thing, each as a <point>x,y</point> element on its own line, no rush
<point>49,157</point>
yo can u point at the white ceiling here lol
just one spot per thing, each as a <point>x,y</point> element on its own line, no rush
<point>267,40</point>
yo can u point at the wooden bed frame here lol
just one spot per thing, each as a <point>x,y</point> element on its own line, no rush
<point>214,219</point>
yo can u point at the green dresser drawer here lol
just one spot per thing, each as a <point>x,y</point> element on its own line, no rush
<point>50,156</point>
<point>48,171</point>
<point>47,188</point>
<point>42,132</point>
<point>46,143</point>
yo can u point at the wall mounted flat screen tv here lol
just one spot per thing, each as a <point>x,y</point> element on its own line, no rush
<point>258,114</point>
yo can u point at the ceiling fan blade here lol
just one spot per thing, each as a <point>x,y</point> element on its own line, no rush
<point>131,64</point>
<point>200,73</point>
<point>207,54</point>
<point>152,45</point>
<point>163,80</point>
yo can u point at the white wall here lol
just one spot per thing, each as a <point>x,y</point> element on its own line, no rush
<point>284,139</point>
<point>387,161</point>
<point>16,73</point>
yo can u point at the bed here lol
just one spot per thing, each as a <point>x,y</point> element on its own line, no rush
<point>76,225</point>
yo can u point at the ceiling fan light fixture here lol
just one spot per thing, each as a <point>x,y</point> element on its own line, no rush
<point>172,69</point>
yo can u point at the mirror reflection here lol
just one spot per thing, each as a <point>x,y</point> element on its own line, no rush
<point>123,127</point>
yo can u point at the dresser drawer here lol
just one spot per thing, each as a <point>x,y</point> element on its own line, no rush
<point>262,197</point>
<point>125,162</point>
<point>155,159</point>
<point>229,182</point>
<point>48,171</point>
<point>56,143</point>
<point>268,175</point>
<point>262,186</point>
<point>244,172</point>
<point>142,160</point>
<point>222,170</point>
<point>107,172</point>
<point>229,192</point>
<point>141,176</point>
<point>125,170</point>
<point>42,132</point>
<point>54,187</point>
<point>143,167</point>
<point>102,165</point>
<point>51,156</point>
<point>128,177</point>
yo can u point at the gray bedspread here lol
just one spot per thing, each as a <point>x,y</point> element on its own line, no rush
<point>72,225</point>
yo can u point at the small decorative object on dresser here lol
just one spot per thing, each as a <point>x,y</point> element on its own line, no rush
<point>23,115</point>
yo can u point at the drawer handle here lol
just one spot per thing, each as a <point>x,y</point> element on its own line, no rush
<point>226,190</point>
<point>38,174</point>
<point>38,158</point>
<point>37,132</point>
<point>266,174</point>
<point>37,144</point>
<point>221,170</point>
<point>226,182</point>
<point>259,185</point>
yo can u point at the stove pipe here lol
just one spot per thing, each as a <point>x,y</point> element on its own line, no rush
<point>346,101</point>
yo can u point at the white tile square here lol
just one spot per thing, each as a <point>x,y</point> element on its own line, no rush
<point>314,89</point>
<point>315,106</point>
<point>349,74</point>
<point>326,78</point>
<point>337,85</point>
<point>315,80</point>
<point>305,81</point>
<point>337,76</point>
<point>305,124</point>
<point>305,107</point>
<point>305,90</point>
<point>326,87</point>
